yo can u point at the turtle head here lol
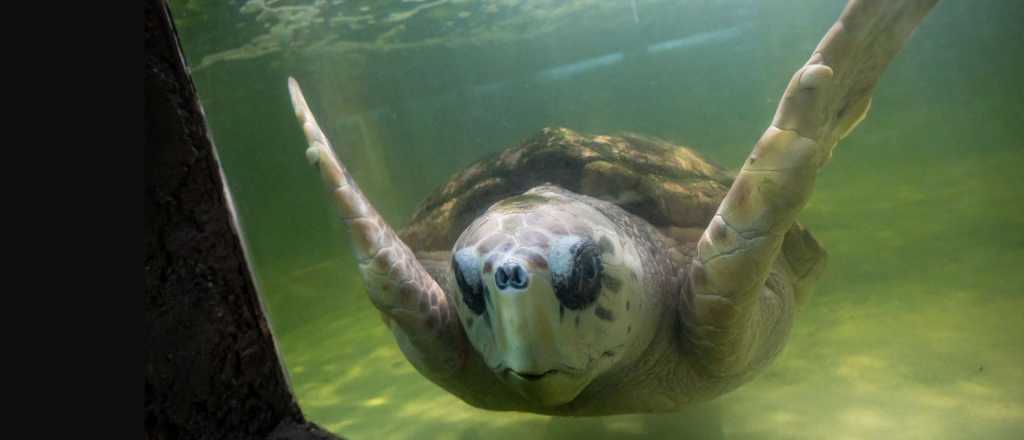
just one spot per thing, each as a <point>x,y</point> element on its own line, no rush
<point>549,293</point>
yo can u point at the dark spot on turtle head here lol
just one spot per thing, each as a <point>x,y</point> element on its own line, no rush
<point>581,284</point>
<point>613,284</point>
<point>606,246</point>
<point>471,287</point>
<point>489,265</point>
<point>604,313</point>
<point>431,321</point>
<point>506,246</point>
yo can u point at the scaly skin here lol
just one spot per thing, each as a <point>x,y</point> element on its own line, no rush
<point>826,98</point>
<point>415,305</point>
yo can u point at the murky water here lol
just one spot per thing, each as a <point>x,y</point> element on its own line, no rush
<point>915,330</point>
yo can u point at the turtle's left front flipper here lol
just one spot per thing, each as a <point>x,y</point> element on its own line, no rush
<point>418,310</point>
<point>743,292</point>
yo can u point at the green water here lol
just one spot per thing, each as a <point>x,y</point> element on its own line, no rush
<point>915,330</point>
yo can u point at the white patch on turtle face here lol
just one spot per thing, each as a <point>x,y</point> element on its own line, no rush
<point>551,338</point>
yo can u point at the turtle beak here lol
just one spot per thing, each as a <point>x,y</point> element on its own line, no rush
<point>549,389</point>
<point>525,333</point>
<point>524,328</point>
<point>525,325</point>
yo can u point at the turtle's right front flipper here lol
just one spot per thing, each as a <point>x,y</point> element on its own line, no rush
<point>744,293</point>
<point>429,330</point>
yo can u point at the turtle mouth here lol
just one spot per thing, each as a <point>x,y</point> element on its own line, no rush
<point>529,376</point>
<point>547,388</point>
<point>537,375</point>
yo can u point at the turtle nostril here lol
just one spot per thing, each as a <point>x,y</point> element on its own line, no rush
<point>511,275</point>
<point>519,277</point>
<point>501,278</point>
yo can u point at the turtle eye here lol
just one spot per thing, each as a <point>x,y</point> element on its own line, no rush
<point>579,286</point>
<point>467,275</point>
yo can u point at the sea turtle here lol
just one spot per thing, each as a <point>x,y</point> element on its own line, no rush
<point>590,275</point>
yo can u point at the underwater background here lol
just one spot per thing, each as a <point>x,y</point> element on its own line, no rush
<point>916,329</point>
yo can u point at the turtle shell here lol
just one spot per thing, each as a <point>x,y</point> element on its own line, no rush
<point>671,187</point>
